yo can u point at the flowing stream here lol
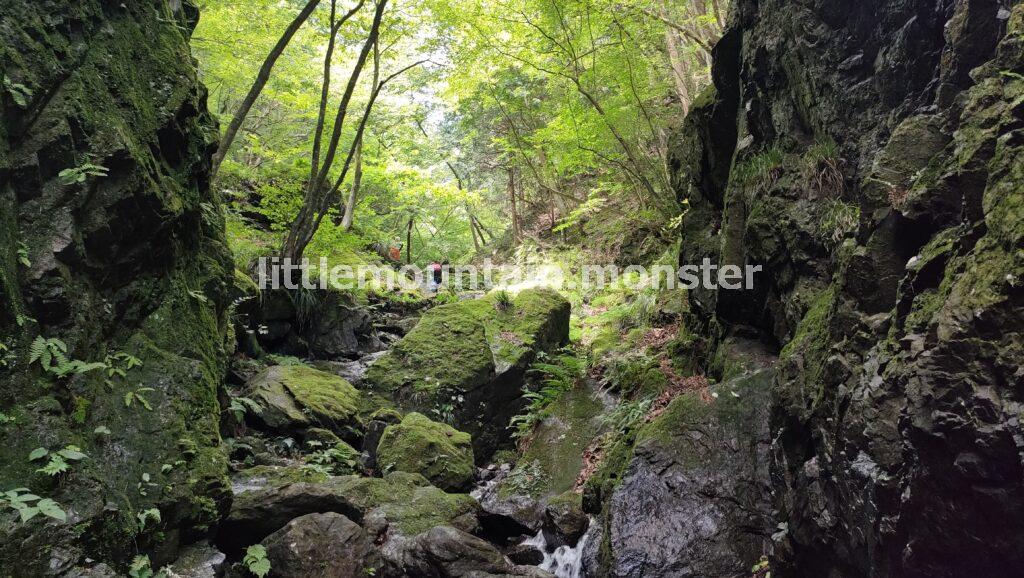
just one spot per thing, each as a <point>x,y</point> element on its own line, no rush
<point>564,561</point>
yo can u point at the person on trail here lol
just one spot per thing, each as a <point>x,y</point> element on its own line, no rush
<point>395,254</point>
<point>438,274</point>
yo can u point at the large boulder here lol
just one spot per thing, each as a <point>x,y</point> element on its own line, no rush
<point>296,397</point>
<point>466,361</point>
<point>111,241</point>
<point>397,504</point>
<point>328,545</point>
<point>441,453</point>
<point>446,552</point>
<point>693,499</point>
<point>322,324</point>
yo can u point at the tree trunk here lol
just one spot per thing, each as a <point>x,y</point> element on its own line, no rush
<point>257,87</point>
<point>408,241</point>
<point>310,214</point>
<point>516,225</point>
<point>679,70</point>
<point>353,193</point>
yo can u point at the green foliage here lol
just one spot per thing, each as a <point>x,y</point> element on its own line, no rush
<point>503,300</point>
<point>554,377</point>
<point>20,93</point>
<point>79,175</point>
<point>759,172</point>
<point>240,406</point>
<point>23,255</point>
<point>839,220</point>
<point>146,516</point>
<point>51,354</point>
<point>136,396</point>
<point>256,560</point>
<point>823,169</point>
<point>29,505</point>
<point>142,568</point>
<point>339,459</point>
<point>57,462</point>
<point>627,415</point>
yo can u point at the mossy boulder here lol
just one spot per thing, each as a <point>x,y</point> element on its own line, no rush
<point>400,503</point>
<point>441,453</point>
<point>468,360</point>
<point>296,397</point>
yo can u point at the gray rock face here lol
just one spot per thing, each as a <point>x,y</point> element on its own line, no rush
<point>694,499</point>
<point>328,545</point>
<point>104,188</point>
<point>445,552</point>
<point>896,296</point>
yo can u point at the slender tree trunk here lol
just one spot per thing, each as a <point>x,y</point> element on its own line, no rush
<point>516,225</point>
<point>408,241</point>
<point>257,87</point>
<point>679,70</point>
<point>353,193</point>
<point>310,214</point>
<point>325,91</point>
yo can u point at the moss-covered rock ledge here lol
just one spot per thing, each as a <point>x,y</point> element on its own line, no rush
<point>112,247</point>
<point>464,362</point>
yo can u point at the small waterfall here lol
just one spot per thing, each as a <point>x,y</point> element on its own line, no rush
<point>564,561</point>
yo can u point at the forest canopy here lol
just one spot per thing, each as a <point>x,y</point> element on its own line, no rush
<point>461,127</point>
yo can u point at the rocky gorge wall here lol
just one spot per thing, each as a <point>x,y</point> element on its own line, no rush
<point>870,156</point>
<point>112,247</point>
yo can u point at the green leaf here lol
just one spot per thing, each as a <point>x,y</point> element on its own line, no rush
<point>102,430</point>
<point>38,453</point>
<point>73,453</point>
<point>52,509</point>
<point>55,466</point>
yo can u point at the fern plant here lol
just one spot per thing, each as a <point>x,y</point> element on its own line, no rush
<point>58,461</point>
<point>132,397</point>
<point>51,354</point>
<point>256,560</point>
<point>79,175</point>
<point>240,406</point>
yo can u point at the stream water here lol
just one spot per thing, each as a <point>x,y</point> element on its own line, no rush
<point>564,561</point>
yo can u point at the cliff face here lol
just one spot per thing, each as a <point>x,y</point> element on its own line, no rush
<point>111,245</point>
<point>870,155</point>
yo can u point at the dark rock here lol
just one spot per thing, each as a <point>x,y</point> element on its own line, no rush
<point>132,260</point>
<point>444,552</point>
<point>894,414</point>
<point>564,521</point>
<point>694,498</point>
<point>328,545</point>
<point>525,555</point>
<point>400,504</point>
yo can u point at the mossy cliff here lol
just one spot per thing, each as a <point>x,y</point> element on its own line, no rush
<point>112,243</point>
<point>465,362</point>
<point>894,293</point>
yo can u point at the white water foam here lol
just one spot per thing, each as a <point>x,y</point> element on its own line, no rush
<point>564,561</point>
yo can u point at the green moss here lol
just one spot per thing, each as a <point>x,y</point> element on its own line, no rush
<point>407,502</point>
<point>438,451</point>
<point>460,346</point>
<point>329,398</point>
<point>554,456</point>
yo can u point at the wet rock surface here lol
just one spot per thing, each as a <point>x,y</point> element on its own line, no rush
<point>894,409</point>
<point>328,545</point>
<point>694,498</point>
